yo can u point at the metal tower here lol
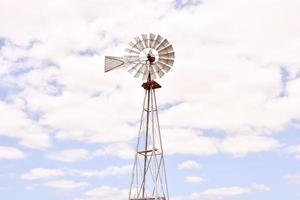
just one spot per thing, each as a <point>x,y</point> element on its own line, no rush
<point>149,55</point>
<point>149,175</point>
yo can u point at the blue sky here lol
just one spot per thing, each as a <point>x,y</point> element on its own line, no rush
<point>229,107</point>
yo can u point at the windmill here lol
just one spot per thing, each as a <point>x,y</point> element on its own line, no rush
<point>148,56</point>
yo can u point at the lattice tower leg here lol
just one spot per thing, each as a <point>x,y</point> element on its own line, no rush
<point>149,175</point>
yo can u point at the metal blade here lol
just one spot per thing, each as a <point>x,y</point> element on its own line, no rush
<point>162,45</point>
<point>134,68</point>
<point>152,72</point>
<point>112,62</point>
<point>152,40</point>
<point>158,70</point>
<point>166,49</point>
<point>145,40</point>
<point>139,43</point>
<point>131,51</point>
<point>166,61</point>
<point>140,71</point>
<point>163,66</point>
<point>133,46</point>
<point>157,41</point>
<point>170,55</point>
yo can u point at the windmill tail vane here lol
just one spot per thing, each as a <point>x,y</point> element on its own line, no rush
<point>148,56</point>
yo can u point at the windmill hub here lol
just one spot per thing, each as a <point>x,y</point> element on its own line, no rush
<point>151,57</point>
<point>148,55</point>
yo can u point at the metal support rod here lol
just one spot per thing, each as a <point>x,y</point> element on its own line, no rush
<point>137,146</point>
<point>161,145</point>
<point>146,139</point>
<point>156,170</point>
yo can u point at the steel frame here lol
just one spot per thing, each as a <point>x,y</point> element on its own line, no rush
<point>148,181</point>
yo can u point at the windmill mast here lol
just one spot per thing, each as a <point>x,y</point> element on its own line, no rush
<point>150,56</point>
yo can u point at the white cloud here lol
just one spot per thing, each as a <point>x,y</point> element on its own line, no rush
<point>70,155</point>
<point>242,145</point>
<point>217,193</point>
<point>188,164</point>
<point>50,173</point>
<point>196,143</point>
<point>294,150</point>
<point>261,187</point>
<point>186,141</point>
<point>194,179</point>
<point>65,112</point>
<point>121,150</point>
<point>220,193</point>
<point>292,178</point>
<point>228,67</point>
<point>109,171</point>
<point>16,124</point>
<point>237,89</point>
<point>11,153</point>
<point>106,193</point>
<point>65,184</point>
<point>43,173</point>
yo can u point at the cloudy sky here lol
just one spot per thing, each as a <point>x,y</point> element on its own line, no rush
<point>229,107</point>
